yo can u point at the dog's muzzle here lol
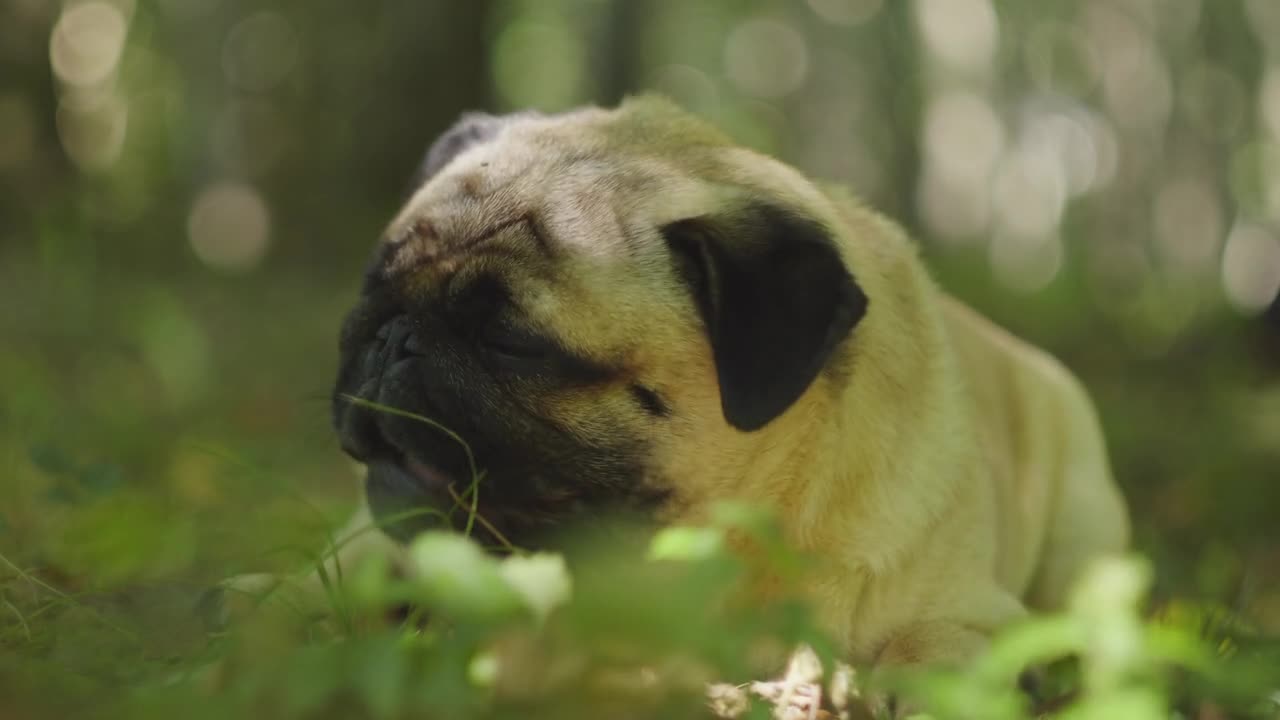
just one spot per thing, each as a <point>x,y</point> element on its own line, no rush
<point>412,464</point>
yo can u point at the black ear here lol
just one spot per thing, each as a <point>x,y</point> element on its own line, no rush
<point>776,300</point>
<point>472,128</point>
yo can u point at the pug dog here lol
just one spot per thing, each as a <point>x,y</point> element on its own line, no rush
<point>621,309</point>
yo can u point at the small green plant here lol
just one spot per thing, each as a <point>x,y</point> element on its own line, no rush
<point>1121,664</point>
<point>648,630</point>
<point>619,624</point>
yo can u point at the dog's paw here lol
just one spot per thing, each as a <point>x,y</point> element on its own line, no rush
<point>804,692</point>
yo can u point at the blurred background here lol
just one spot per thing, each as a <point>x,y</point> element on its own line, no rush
<point>189,188</point>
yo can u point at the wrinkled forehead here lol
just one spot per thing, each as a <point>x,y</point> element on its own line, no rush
<point>583,189</point>
<point>592,179</point>
<point>537,204</point>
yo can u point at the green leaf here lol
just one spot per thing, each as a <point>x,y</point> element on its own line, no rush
<point>686,543</point>
<point>369,582</point>
<point>541,579</point>
<point>452,574</point>
<point>312,676</point>
<point>378,673</point>
<point>51,459</point>
<point>482,671</point>
<point>100,479</point>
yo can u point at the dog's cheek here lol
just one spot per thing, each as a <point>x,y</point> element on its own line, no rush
<point>622,432</point>
<point>561,458</point>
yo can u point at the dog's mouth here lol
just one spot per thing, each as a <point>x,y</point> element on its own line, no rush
<point>420,476</point>
<point>429,476</point>
<point>408,496</point>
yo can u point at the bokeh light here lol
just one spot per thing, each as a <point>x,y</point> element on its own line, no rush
<point>963,142</point>
<point>1058,58</point>
<point>766,57</point>
<point>539,62</point>
<point>1251,267</point>
<point>1025,264</point>
<point>1264,19</point>
<point>963,137</point>
<point>689,86</point>
<point>1269,100</point>
<point>1068,140</point>
<point>86,47</point>
<point>93,134</point>
<point>962,34</point>
<point>846,12</point>
<point>1135,79</point>
<point>229,226</point>
<point>87,42</point>
<point>1187,218</point>
<point>953,212</point>
<point>1030,192</point>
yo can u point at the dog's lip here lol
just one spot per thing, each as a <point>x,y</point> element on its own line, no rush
<point>429,475</point>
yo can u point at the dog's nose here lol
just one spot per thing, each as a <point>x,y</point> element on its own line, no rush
<point>357,426</point>
<point>394,331</point>
<point>395,340</point>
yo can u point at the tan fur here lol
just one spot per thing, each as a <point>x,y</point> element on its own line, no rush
<point>947,474</point>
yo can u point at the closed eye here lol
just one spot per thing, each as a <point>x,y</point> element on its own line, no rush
<point>483,311</point>
<point>525,353</point>
<point>515,342</point>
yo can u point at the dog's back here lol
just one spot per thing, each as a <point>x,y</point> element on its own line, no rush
<point>1043,444</point>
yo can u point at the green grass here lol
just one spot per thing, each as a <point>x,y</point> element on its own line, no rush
<point>635,628</point>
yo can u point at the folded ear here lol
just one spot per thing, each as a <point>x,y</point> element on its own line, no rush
<point>472,128</point>
<point>776,300</point>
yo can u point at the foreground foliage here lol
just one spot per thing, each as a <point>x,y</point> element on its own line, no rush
<point>640,629</point>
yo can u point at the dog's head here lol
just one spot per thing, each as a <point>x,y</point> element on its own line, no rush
<point>600,310</point>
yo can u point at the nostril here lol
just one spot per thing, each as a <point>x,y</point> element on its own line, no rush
<point>395,340</point>
<point>414,345</point>
<point>394,328</point>
<point>391,337</point>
